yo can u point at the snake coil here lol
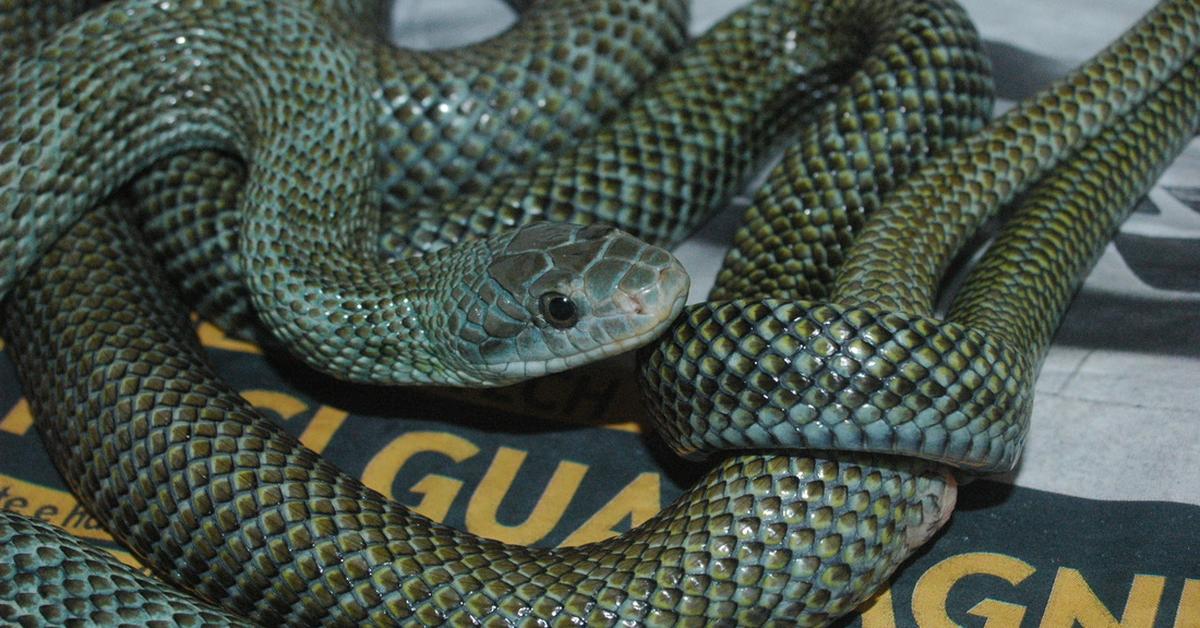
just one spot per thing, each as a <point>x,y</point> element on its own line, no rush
<point>220,502</point>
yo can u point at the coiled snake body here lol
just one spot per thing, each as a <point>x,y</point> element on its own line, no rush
<point>219,502</point>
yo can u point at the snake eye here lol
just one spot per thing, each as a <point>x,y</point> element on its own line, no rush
<point>558,310</point>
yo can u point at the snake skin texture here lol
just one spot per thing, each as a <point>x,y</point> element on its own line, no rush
<point>23,25</point>
<point>656,171</point>
<point>904,499</point>
<point>227,506</point>
<point>1043,252</point>
<point>187,89</point>
<point>872,369</point>
<point>49,577</point>
<point>451,122</point>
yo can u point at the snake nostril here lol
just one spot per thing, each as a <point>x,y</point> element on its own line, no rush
<point>630,303</point>
<point>637,304</point>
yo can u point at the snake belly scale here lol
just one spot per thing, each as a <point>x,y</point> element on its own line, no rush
<point>225,505</point>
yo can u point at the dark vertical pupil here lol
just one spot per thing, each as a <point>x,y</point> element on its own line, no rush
<point>558,309</point>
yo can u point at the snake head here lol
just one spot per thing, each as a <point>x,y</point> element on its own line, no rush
<point>555,296</point>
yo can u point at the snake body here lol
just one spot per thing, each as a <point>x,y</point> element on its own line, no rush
<point>221,503</point>
<point>348,310</point>
<point>450,123</point>
<point>871,369</point>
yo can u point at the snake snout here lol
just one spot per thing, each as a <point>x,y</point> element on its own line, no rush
<point>662,298</point>
<point>637,293</point>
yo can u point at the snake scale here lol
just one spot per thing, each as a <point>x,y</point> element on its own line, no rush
<point>223,504</point>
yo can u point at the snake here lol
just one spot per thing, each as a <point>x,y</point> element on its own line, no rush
<point>351,310</point>
<point>883,397</point>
